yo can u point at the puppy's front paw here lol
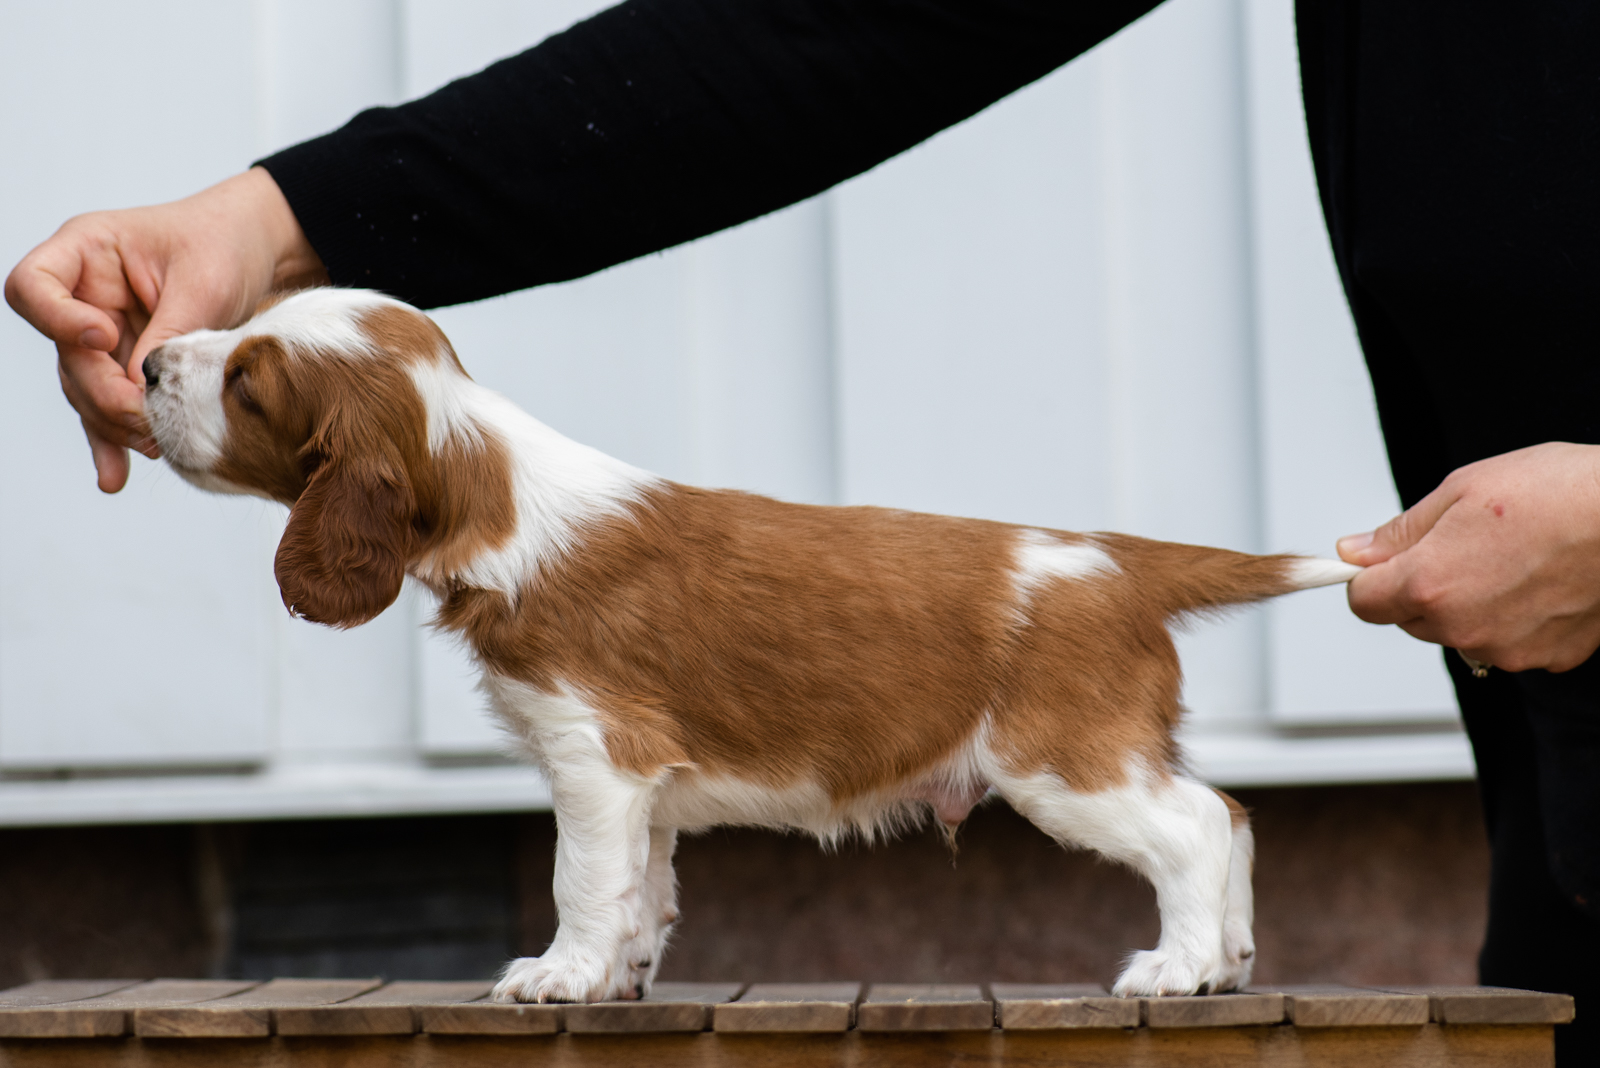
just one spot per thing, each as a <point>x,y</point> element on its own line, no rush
<point>1159,973</point>
<point>556,977</point>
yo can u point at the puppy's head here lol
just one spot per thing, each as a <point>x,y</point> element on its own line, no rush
<point>336,403</point>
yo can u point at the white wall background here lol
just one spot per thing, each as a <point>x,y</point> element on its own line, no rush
<point>1105,303</point>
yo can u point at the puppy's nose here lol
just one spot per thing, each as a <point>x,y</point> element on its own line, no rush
<point>152,368</point>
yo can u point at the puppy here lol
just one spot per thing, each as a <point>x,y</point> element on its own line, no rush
<point>677,658</point>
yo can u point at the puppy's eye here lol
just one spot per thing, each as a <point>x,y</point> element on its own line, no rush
<point>238,384</point>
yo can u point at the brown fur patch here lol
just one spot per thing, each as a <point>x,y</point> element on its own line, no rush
<point>778,642</point>
<point>408,335</point>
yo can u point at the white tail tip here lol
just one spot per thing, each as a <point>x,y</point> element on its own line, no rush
<point>1309,573</point>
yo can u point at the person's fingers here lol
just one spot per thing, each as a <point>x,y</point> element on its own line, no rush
<point>110,404</point>
<point>1399,533</point>
<point>40,290</point>
<point>110,462</point>
<point>1382,594</point>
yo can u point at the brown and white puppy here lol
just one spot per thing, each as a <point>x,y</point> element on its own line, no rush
<point>676,658</point>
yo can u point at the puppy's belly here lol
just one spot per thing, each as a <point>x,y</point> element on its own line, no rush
<point>564,733</point>
<point>693,801</point>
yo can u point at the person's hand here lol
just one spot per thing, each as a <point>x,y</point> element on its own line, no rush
<point>112,285</point>
<point>1502,561</point>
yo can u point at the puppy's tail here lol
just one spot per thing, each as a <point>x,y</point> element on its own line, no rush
<point>1193,578</point>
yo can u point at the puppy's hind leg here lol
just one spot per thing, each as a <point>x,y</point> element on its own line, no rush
<point>1238,941</point>
<point>659,911</point>
<point>1173,831</point>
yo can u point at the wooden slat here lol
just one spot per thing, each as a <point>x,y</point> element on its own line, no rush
<point>106,1016</point>
<point>1491,1004</point>
<point>394,1009</point>
<point>670,1007</point>
<point>1041,1007</point>
<point>246,1015</point>
<point>20,1015</point>
<point>937,1007</point>
<point>1347,1006</point>
<point>793,1007</point>
<point>56,991</point>
<point>1214,1010</point>
<point>490,1018</point>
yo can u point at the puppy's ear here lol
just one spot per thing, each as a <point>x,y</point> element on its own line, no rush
<point>350,536</point>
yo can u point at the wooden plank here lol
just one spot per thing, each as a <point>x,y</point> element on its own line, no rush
<point>670,1007</point>
<point>1347,1006</point>
<point>1042,1007</point>
<point>935,1007</point>
<point>394,1009</point>
<point>248,1014</point>
<point>55,991</point>
<point>1213,1010</point>
<point>1492,1004</point>
<point>793,1007</point>
<point>490,1018</point>
<point>20,1015</point>
<point>106,1016</point>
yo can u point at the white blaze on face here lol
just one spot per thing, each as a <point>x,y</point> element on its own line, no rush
<point>184,407</point>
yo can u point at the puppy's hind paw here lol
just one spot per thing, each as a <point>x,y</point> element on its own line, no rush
<point>1238,960</point>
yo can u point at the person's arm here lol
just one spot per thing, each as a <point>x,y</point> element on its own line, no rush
<point>648,125</point>
<point>1502,561</point>
<point>653,123</point>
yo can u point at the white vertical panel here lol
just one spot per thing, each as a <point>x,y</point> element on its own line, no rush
<point>970,325</point>
<point>1325,470</point>
<point>343,694</point>
<point>320,61</point>
<point>446,39</point>
<point>134,629</point>
<point>1183,398</point>
<point>1179,313</point>
<point>762,361</point>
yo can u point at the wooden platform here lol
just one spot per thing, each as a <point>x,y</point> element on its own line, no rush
<point>364,1023</point>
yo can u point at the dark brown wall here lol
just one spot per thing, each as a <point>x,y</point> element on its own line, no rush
<point>1361,884</point>
<point>90,901</point>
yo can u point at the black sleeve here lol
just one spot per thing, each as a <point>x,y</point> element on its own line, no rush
<point>653,123</point>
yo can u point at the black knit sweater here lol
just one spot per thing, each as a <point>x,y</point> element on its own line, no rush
<point>654,123</point>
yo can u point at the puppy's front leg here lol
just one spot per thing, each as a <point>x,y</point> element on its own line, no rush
<point>602,851</point>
